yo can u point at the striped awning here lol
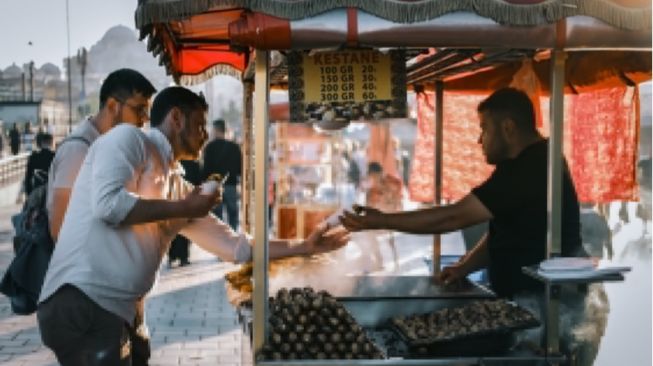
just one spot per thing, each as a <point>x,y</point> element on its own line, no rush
<point>196,39</point>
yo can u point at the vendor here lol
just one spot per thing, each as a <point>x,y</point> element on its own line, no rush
<point>513,199</point>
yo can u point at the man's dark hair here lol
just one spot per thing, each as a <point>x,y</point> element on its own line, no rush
<point>374,167</point>
<point>219,125</point>
<point>123,84</point>
<point>510,103</point>
<point>175,96</point>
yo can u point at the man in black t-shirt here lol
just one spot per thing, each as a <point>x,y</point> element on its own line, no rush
<point>513,199</point>
<point>224,156</point>
<point>38,163</point>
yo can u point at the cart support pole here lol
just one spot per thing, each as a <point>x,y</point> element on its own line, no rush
<point>554,194</point>
<point>554,206</point>
<point>248,136</point>
<point>260,291</point>
<point>439,97</point>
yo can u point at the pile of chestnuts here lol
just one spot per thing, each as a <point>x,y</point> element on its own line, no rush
<point>310,325</point>
<point>475,318</point>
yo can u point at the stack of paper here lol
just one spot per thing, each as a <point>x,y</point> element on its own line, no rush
<point>576,268</point>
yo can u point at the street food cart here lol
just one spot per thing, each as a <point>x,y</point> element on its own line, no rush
<point>196,39</point>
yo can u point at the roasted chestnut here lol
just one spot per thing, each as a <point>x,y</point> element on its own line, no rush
<point>328,347</point>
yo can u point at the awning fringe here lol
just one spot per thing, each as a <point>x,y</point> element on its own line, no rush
<point>156,11</point>
<point>220,69</point>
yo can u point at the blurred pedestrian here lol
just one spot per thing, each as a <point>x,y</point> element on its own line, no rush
<point>38,163</point>
<point>28,138</point>
<point>224,157</point>
<point>14,140</point>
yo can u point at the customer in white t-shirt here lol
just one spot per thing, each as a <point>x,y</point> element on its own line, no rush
<point>127,204</point>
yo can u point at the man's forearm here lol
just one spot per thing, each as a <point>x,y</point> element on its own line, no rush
<point>286,248</point>
<point>477,258</point>
<point>145,211</point>
<point>437,220</point>
<point>433,220</point>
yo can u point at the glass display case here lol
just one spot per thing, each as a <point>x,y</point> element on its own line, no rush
<point>304,172</point>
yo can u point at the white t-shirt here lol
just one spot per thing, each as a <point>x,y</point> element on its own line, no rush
<point>117,265</point>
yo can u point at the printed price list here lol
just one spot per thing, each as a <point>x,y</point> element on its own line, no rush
<point>356,76</point>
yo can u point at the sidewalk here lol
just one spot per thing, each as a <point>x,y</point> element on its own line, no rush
<point>190,320</point>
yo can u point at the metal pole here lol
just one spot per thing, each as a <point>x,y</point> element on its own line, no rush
<point>31,82</point>
<point>70,101</point>
<point>554,194</point>
<point>261,98</point>
<point>22,85</point>
<point>554,204</point>
<point>439,112</point>
<point>246,181</point>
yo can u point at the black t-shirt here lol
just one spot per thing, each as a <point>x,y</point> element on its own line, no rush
<point>516,194</point>
<point>222,156</point>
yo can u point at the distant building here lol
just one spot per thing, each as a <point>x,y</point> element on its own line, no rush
<point>118,48</point>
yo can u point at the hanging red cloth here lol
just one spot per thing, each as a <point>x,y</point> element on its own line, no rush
<point>601,134</point>
<point>463,163</point>
<point>422,170</point>
<point>604,138</point>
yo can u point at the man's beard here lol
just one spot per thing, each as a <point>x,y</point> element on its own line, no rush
<point>187,146</point>
<point>499,153</point>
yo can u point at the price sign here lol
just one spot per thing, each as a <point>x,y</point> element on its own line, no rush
<point>347,85</point>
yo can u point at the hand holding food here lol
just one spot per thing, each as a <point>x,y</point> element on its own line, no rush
<point>362,218</point>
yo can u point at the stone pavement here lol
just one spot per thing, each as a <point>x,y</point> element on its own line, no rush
<point>190,320</point>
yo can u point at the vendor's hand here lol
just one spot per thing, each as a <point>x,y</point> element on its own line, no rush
<point>363,218</point>
<point>325,239</point>
<point>197,204</point>
<point>452,275</point>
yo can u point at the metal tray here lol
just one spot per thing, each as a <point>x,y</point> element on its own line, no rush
<point>481,343</point>
<point>488,344</point>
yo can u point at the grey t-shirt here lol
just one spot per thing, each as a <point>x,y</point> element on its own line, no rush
<point>68,160</point>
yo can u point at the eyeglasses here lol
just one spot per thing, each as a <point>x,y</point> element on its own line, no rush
<point>139,110</point>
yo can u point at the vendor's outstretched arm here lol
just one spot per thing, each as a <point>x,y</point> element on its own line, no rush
<point>435,220</point>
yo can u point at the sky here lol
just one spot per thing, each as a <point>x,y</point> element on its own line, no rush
<point>43,22</point>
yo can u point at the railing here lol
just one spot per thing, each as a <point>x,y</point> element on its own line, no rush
<point>12,167</point>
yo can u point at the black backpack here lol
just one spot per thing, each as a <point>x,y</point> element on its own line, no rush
<point>33,246</point>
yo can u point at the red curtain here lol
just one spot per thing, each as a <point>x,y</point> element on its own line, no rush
<point>603,141</point>
<point>463,164</point>
<point>600,143</point>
